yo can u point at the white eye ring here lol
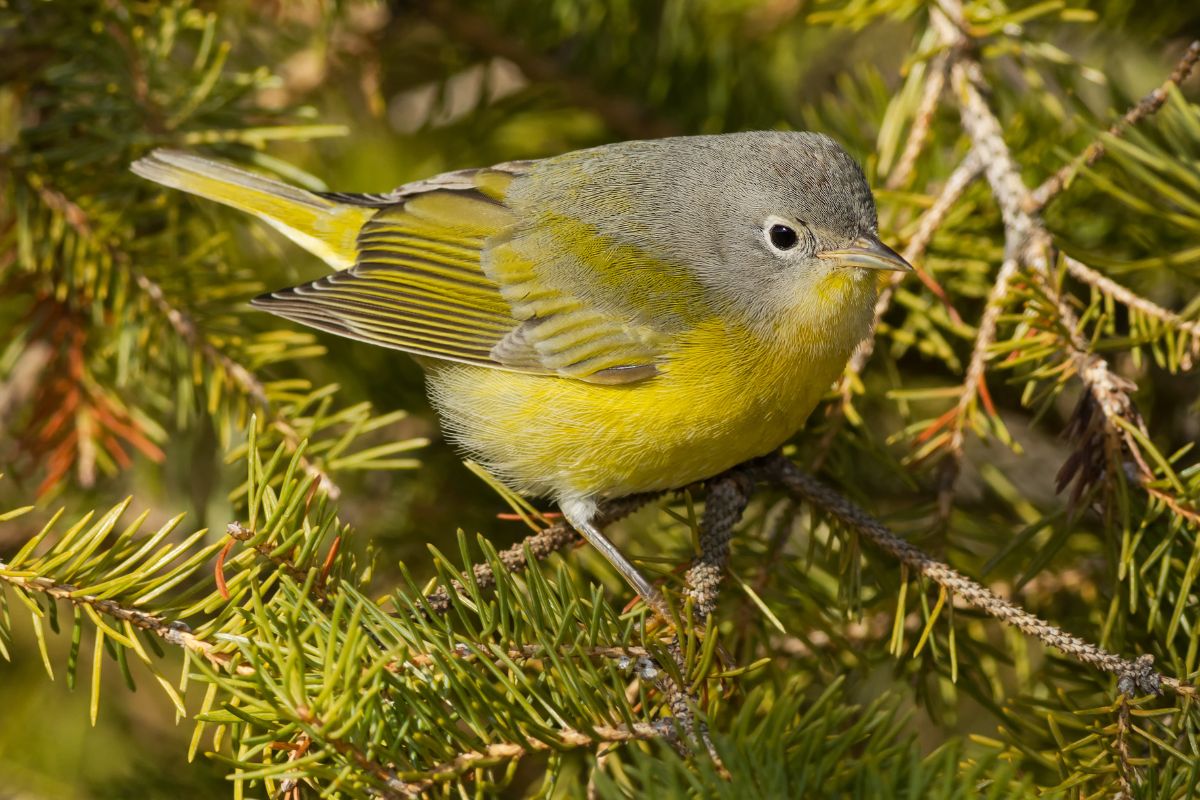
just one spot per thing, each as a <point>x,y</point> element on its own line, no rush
<point>783,235</point>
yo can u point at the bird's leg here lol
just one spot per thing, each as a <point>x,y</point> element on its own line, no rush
<point>727,498</point>
<point>580,514</point>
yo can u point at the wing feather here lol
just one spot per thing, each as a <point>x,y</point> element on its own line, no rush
<point>434,277</point>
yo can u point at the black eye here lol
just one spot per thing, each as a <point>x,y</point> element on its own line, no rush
<point>782,237</point>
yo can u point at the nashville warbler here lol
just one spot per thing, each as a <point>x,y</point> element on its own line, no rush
<point>633,317</point>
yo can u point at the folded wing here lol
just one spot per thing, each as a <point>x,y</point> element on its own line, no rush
<point>422,283</point>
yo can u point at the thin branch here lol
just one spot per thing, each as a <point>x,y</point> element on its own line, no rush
<point>1136,675</point>
<point>1132,299</point>
<point>176,633</point>
<point>984,339</point>
<point>1053,186</point>
<point>523,653</point>
<point>918,135</point>
<point>987,135</point>
<point>186,328</point>
<point>1025,234</point>
<point>541,545</point>
<point>1110,393</point>
<point>567,738</point>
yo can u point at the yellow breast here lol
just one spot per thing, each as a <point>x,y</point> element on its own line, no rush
<point>728,393</point>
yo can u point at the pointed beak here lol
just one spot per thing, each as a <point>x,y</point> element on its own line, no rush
<point>869,253</point>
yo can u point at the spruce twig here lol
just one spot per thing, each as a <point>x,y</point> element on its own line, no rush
<point>542,545</point>
<point>1137,675</point>
<point>175,633</point>
<point>918,135</point>
<point>1053,186</point>
<point>187,329</point>
<point>1130,298</point>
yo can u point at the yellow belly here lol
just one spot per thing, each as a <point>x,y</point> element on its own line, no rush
<point>726,395</point>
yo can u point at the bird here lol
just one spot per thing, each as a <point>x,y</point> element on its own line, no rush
<point>633,317</point>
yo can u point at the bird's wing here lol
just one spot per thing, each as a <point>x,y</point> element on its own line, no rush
<point>434,277</point>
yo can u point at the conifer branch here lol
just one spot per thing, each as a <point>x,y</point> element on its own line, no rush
<point>541,545</point>
<point>566,739</point>
<point>1027,240</point>
<point>175,633</point>
<point>186,328</point>
<point>1126,296</point>
<point>525,653</point>
<point>918,135</point>
<point>1053,186</point>
<point>974,386</point>
<point>1138,675</point>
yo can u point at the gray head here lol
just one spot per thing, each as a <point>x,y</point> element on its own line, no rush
<point>761,218</point>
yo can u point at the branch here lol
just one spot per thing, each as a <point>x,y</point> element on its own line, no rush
<point>1128,297</point>
<point>974,384</point>
<point>931,93</point>
<point>1026,237</point>
<point>568,739</point>
<point>775,469</point>
<point>186,328</point>
<point>1110,394</point>
<point>524,653</point>
<point>1053,186</point>
<point>1136,675</point>
<point>175,633</point>
<point>541,545</point>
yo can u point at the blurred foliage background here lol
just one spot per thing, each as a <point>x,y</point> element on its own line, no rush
<point>130,363</point>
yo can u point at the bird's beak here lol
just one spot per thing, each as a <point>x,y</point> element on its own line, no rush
<point>869,253</point>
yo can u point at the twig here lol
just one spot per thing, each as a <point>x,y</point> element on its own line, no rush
<point>987,136</point>
<point>931,93</point>
<point>1125,769</point>
<point>187,329</point>
<point>724,503</point>
<point>567,738</point>
<point>237,532</point>
<point>541,545</point>
<point>1110,393</point>
<point>974,383</point>
<point>1136,675</point>
<point>176,633</point>
<point>1025,234</point>
<point>523,653</point>
<point>1053,186</point>
<point>1128,297</point>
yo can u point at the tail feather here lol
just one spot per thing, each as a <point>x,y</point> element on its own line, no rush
<point>324,227</point>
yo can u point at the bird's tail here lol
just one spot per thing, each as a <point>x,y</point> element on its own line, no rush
<point>324,227</point>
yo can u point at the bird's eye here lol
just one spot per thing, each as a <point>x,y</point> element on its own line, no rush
<point>782,237</point>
